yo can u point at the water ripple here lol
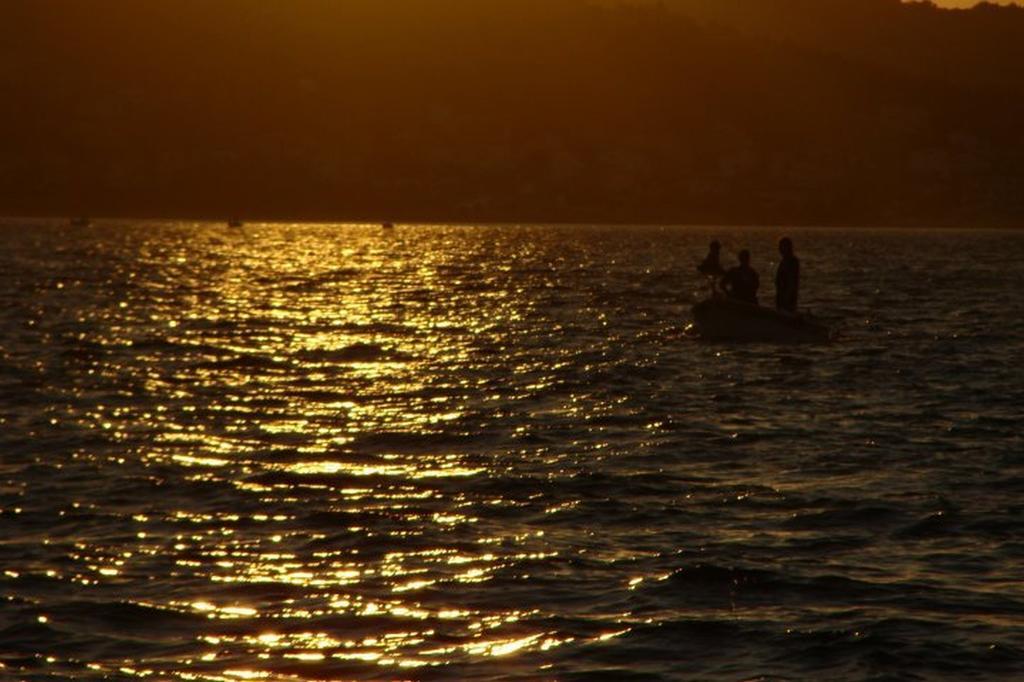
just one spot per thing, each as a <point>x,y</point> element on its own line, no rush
<point>331,452</point>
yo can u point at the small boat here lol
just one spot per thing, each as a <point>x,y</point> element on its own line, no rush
<point>723,319</point>
<point>388,226</point>
<point>235,223</point>
<point>80,222</point>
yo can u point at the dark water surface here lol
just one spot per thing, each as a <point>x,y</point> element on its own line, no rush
<point>339,452</point>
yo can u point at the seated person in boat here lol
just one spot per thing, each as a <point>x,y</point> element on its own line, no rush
<point>712,265</point>
<point>787,278</point>
<point>742,282</point>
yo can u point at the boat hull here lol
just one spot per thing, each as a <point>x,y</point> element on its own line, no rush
<point>720,319</point>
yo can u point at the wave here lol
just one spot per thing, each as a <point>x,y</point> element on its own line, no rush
<point>355,353</point>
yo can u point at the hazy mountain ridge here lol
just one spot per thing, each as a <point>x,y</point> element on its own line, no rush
<point>507,110</point>
<point>976,48</point>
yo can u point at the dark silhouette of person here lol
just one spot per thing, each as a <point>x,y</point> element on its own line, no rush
<point>787,278</point>
<point>742,282</point>
<point>712,265</point>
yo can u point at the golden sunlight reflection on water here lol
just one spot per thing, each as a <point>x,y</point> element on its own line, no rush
<point>336,452</point>
<point>325,346</point>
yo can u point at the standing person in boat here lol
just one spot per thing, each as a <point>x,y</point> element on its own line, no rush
<point>712,265</point>
<point>787,278</point>
<point>742,282</point>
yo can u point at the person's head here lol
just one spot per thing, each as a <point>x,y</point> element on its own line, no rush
<point>786,246</point>
<point>715,246</point>
<point>744,257</point>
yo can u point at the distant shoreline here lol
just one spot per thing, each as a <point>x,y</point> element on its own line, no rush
<point>359,221</point>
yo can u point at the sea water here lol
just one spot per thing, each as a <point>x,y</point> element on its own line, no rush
<point>455,452</point>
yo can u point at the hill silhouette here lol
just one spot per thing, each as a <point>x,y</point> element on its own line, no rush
<point>979,48</point>
<point>794,111</point>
